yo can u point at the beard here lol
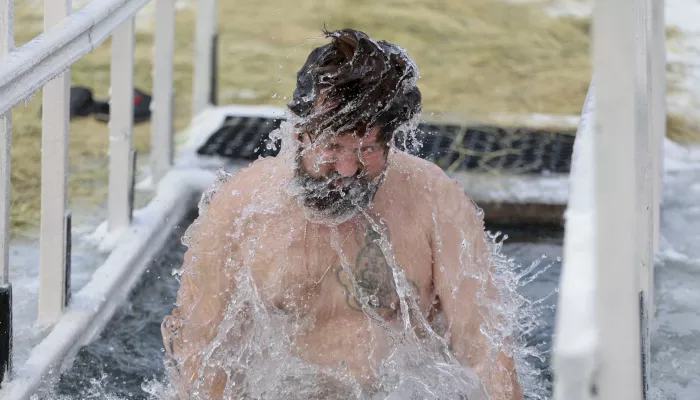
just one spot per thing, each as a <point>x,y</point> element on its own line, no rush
<point>325,200</point>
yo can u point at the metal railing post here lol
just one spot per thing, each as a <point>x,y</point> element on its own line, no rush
<point>6,45</point>
<point>132,182</point>
<point>121,121</point>
<point>45,63</point>
<point>204,91</point>
<point>163,99</point>
<point>615,63</point>
<point>645,204</point>
<point>576,338</point>
<point>657,39</point>
<point>68,227</point>
<point>54,182</point>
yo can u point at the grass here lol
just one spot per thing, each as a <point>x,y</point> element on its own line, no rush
<point>476,57</point>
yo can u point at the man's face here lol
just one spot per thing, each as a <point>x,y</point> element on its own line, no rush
<point>339,175</point>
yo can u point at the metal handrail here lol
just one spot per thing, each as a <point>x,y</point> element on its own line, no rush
<point>27,69</point>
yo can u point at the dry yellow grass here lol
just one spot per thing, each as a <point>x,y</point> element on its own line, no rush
<point>476,57</point>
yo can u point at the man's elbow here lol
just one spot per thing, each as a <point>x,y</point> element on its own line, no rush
<point>516,390</point>
<point>506,385</point>
<point>172,339</point>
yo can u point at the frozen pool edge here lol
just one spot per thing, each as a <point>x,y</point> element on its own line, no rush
<point>94,305</point>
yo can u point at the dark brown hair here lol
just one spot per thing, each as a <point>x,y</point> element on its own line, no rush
<point>353,84</point>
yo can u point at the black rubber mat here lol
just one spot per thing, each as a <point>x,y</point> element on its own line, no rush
<point>452,147</point>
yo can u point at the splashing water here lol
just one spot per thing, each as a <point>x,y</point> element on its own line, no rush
<point>317,299</point>
<point>270,323</point>
<point>104,357</point>
<point>287,302</point>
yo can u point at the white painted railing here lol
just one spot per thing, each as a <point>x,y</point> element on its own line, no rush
<point>605,307</point>
<point>163,93</point>
<point>6,43</point>
<point>121,110</point>
<point>45,63</point>
<point>54,179</point>
<point>205,70</point>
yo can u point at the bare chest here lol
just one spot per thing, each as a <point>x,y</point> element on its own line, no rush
<point>301,267</point>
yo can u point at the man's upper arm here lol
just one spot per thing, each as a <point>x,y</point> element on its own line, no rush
<point>466,289</point>
<point>205,289</point>
<point>460,265</point>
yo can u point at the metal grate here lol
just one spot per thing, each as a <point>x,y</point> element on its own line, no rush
<point>452,147</point>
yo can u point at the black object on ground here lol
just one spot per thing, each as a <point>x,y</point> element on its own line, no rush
<point>142,108</point>
<point>83,104</point>
<point>81,101</point>
<point>5,331</point>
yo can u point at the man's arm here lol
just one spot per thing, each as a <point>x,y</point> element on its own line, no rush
<point>205,290</point>
<point>467,292</point>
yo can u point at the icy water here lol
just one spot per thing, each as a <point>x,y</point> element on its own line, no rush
<point>675,368</point>
<point>24,272</point>
<point>129,352</point>
<point>130,348</point>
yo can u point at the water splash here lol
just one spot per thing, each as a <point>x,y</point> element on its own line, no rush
<point>301,319</point>
<point>260,343</point>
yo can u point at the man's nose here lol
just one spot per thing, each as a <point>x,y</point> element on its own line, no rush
<point>347,167</point>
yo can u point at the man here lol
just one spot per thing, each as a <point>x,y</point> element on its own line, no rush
<point>323,272</point>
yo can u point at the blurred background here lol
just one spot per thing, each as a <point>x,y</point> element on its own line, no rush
<point>476,57</point>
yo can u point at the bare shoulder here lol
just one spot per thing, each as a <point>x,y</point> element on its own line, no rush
<point>426,177</point>
<point>433,193</point>
<point>257,175</point>
<point>226,200</point>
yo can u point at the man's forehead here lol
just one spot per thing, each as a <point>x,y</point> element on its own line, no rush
<point>355,138</point>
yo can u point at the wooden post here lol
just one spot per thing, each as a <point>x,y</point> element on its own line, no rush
<point>121,122</point>
<point>54,180</point>
<point>615,63</point>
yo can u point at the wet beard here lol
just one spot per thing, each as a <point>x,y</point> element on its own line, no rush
<point>327,202</point>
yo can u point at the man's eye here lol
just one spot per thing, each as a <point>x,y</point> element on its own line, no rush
<point>367,150</point>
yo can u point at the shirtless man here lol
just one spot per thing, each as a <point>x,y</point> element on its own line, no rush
<point>363,242</point>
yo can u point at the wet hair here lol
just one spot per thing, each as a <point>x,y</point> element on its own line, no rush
<point>354,84</point>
